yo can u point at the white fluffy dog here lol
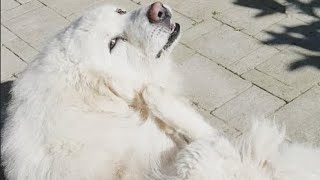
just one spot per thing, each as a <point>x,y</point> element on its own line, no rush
<point>101,102</point>
<point>83,108</point>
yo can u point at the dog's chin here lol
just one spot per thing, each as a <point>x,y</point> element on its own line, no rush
<point>171,40</point>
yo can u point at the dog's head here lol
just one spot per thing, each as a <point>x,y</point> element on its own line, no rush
<point>109,33</point>
<point>152,30</point>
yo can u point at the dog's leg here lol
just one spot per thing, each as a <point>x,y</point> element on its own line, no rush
<point>176,113</point>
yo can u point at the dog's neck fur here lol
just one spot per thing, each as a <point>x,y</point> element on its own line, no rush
<point>138,74</point>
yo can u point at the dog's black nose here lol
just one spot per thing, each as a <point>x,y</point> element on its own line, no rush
<point>158,13</point>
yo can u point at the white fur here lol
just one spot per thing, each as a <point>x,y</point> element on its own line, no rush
<point>70,116</point>
<point>261,154</point>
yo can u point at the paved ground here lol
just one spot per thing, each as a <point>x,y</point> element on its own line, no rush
<point>242,58</point>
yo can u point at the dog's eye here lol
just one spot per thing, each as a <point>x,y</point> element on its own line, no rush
<point>113,43</point>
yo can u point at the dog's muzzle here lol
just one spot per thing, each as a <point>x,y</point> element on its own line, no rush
<point>160,15</point>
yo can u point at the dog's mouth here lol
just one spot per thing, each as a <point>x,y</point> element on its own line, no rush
<point>175,31</point>
<point>175,28</point>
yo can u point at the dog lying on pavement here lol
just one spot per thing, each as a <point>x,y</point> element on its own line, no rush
<point>101,101</point>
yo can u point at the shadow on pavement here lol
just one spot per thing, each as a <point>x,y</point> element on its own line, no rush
<point>303,36</point>
<point>309,60</point>
<point>266,7</point>
<point>5,98</point>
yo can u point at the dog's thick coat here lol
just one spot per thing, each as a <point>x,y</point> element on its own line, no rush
<point>260,154</point>
<point>101,103</point>
<point>74,112</point>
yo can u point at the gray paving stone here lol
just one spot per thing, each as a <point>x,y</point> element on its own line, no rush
<point>244,19</point>
<point>279,35</point>
<point>253,59</point>
<point>42,23</point>
<point>205,9</point>
<point>66,8</point>
<point>8,4</point>
<point>24,1</point>
<point>302,117</point>
<point>199,30</point>
<point>74,16</point>
<point>181,53</point>
<point>185,22</point>
<point>252,104</point>
<point>278,67</point>
<point>224,45</point>
<point>6,35</point>
<point>218,124</point>
<point>18,11</point>
<point>272,85</point>
<point>202,10</point>
<point>22,49</point>
<point>208,84</point>
<point>10,64</point>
